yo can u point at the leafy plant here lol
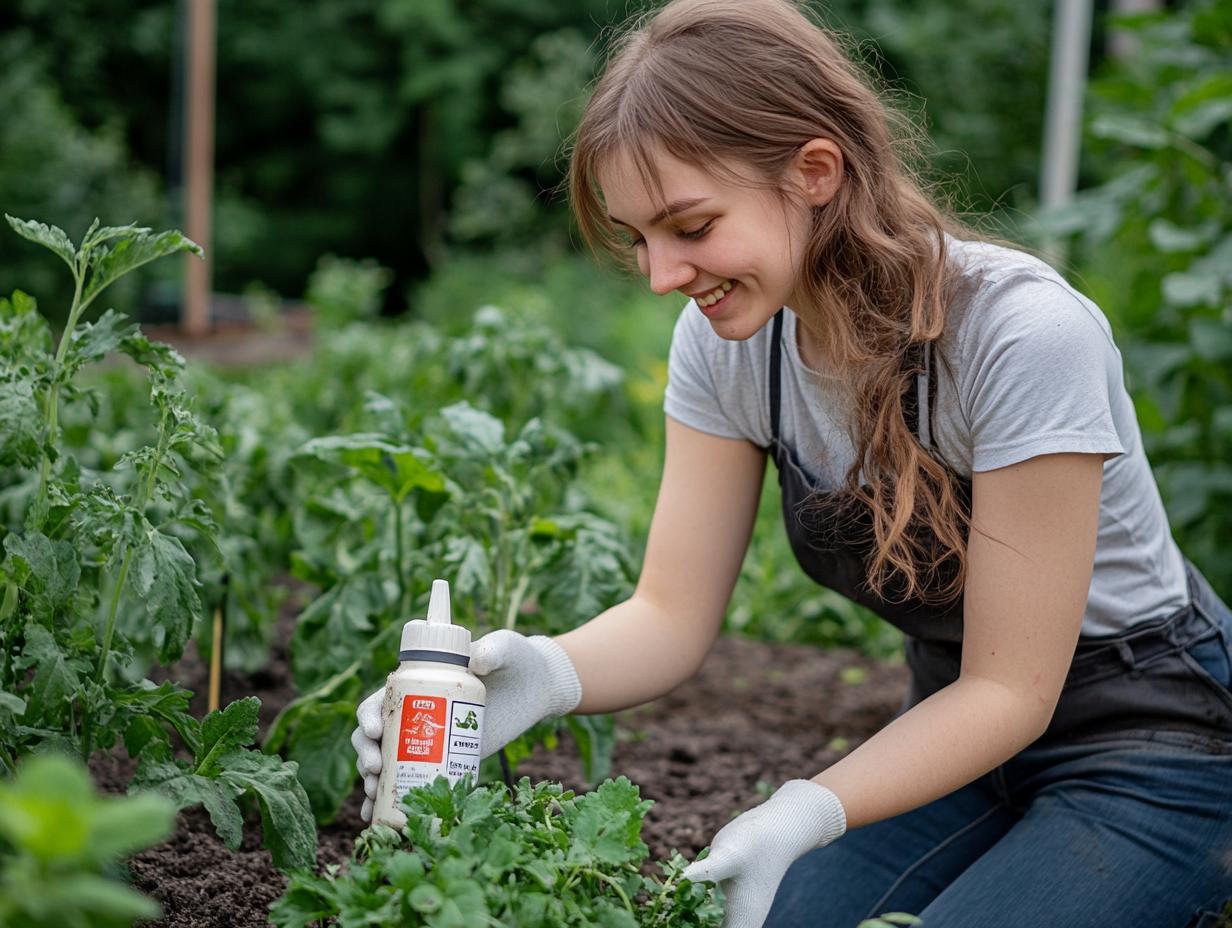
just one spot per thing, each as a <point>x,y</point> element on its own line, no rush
<point>222,771</point>
<point>538,857</point>
<point>385,512</point>
<point>61,848</point>
<point>1154,246</point>
<point>93,541</point>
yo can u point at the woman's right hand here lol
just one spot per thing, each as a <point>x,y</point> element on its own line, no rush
<point>527,680</point>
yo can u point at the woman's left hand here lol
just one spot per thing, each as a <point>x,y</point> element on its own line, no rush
<point>750,854</point>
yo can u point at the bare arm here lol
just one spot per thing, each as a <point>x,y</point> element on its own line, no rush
<point>656,639</point>
<point>1030,559</point>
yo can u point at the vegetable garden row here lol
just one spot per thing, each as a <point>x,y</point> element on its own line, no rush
<point>141,499</point>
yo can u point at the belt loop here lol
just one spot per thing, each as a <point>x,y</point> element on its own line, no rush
<point>1126,653</point>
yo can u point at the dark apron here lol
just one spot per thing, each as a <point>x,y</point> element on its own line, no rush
<point>1142,679</point>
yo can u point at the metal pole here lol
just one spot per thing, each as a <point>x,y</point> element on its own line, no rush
<point>199,146</point>
<point>1067,80</point>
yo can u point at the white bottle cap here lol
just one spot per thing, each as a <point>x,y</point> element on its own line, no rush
<point>436,633</point>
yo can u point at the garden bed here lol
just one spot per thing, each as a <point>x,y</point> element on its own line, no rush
<point>755,715</point>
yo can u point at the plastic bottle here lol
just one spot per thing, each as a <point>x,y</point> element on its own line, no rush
<point>433,710</point>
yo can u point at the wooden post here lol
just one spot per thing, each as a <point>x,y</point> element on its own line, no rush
<point>199,146</point>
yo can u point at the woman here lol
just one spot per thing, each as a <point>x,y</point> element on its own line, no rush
<point>956,450</point>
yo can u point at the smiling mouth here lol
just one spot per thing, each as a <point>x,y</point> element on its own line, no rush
<point>715,295</point>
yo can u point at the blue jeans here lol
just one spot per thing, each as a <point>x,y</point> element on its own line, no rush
<point>1127,827</point>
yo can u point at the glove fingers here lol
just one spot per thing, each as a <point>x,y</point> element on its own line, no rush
<point>368,753</point>
<point>720,865</point>
<point>491,652</point>
<point>370,783</point>
<point>369,715</point>
<point>366,812</point>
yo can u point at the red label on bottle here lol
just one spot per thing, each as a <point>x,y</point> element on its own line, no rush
<point>421,736</point>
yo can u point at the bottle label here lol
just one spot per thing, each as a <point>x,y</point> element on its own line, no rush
<point>437,736</point>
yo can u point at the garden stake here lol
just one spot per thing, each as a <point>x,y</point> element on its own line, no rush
<point>220,623</point>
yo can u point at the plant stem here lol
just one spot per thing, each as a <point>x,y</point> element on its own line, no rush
<point>51,413</point>
<point>143,499</point>
<point>515,601</point>
<point>399,555</point>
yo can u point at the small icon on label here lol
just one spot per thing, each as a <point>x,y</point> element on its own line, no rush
<point>469,722</point>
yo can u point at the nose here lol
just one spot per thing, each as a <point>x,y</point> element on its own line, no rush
<point>666,270</point>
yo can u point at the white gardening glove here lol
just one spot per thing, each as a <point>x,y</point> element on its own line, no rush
<point>750,854</point>
<point>527,679</point>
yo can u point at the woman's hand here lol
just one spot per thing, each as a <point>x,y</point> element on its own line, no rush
<point>750,854</point>
<point>528,680</point>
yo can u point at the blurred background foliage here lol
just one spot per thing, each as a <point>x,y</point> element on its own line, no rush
<point>418,144</point>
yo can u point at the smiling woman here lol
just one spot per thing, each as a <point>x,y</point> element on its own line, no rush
<point>956,451</point>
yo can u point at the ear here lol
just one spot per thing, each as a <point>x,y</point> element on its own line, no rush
<point>819,169</point>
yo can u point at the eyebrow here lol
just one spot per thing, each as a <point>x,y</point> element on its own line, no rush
<point>678,206</point>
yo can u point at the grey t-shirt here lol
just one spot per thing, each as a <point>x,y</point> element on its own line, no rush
<point>1028,367</point>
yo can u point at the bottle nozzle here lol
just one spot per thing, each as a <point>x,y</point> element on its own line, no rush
<point>438,603</point>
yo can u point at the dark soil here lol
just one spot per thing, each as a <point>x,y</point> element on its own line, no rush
<point>756,715</point>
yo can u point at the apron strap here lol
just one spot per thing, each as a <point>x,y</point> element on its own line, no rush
<point>776,354</point>
<point>924,397</point>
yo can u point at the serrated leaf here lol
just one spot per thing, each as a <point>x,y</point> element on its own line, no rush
<point>286,817</point>
<point>52,237</point>
<point>166,581</point>
<point>92,341</point>
<point>55,679</point>
<point>125,249</point>
<point>21,425</point>
<point>226,730</point>
<point>185,789</point>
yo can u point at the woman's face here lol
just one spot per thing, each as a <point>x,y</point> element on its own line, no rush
<point>743,242</point>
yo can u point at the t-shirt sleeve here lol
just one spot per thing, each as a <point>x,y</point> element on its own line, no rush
<point>692,396</point>
<point>1039,376</point>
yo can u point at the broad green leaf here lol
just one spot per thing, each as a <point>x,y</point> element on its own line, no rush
<point>1192,288</point>
<point>92,341</point>
<point>225,730</point>
<point>477,430</point>
<point>595,737</point>
<point>103,903</point>
<point>52,237</point>
<point>127,249</point>
<point>398,469</point>
<point>1131,130</point>
<point>185,789</point>
<point>1171,238</point>
<point>21,425</point>
<point>1211,339</point>
<point>286,817</point>
<point>14,705</point>
<point>165,704</point>
<point>321,745</point>
<point>166,580</point>
<point>55,679</point>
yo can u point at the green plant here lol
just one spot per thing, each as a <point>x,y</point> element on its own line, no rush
<point>222,771</point>
<point>61,848</point>
<point>97,572</point>
<point>384,512</point>
<point>1154,249</point>
<point>537,857</point>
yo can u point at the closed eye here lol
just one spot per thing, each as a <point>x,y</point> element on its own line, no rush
<point>690,235</point>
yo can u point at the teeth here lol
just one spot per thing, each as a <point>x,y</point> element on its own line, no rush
<point>717,294</point>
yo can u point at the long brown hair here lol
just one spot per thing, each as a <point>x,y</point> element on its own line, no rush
<point>747,82</point>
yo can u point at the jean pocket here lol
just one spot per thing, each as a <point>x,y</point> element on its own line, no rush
<point>1213,657</point>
